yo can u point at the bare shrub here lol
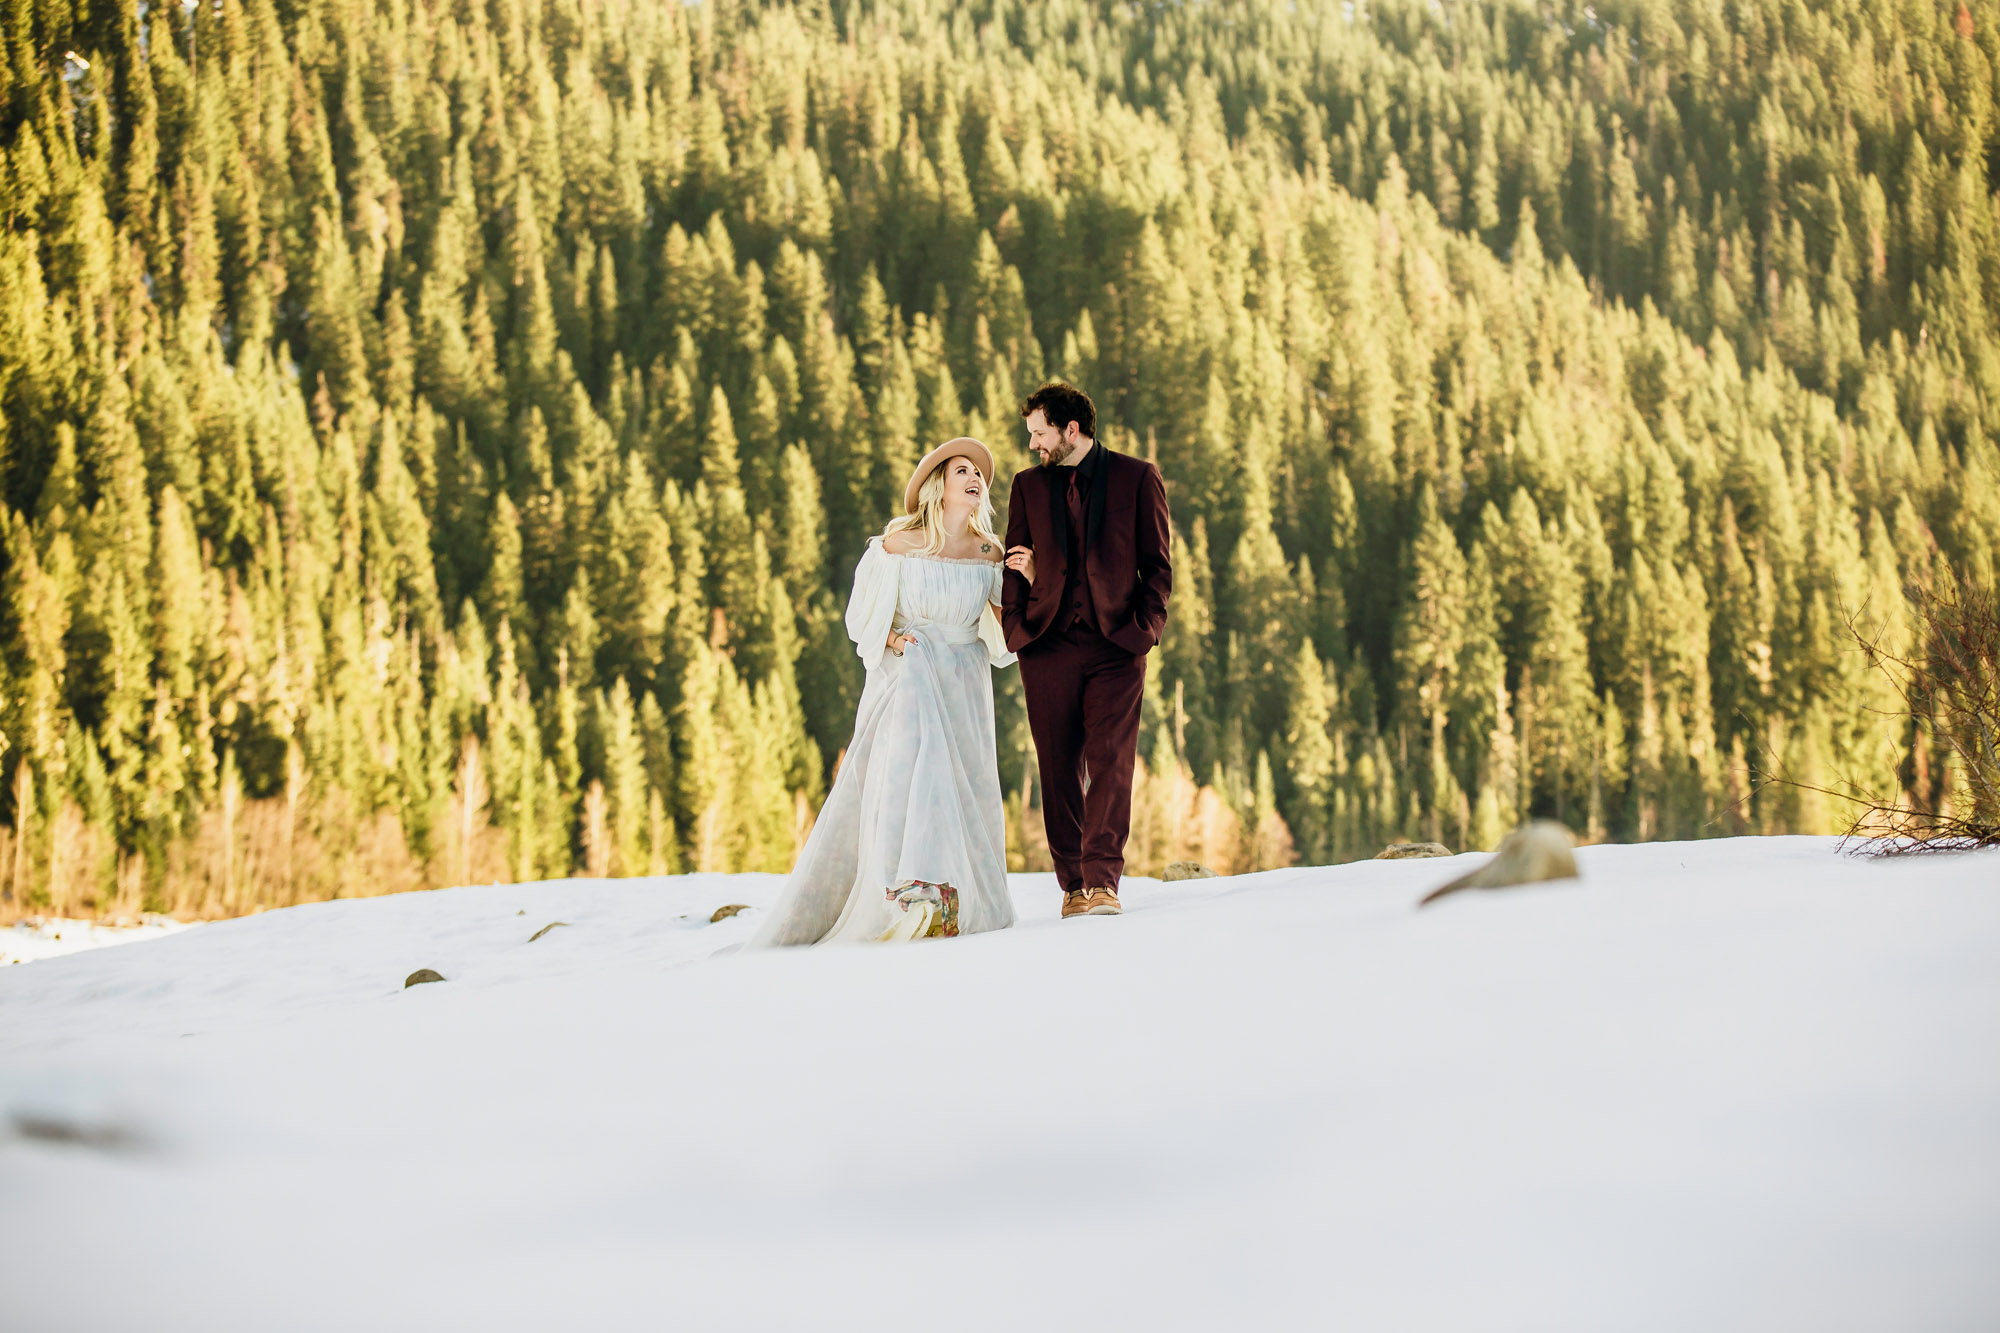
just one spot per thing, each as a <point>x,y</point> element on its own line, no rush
<point>1949,690</point>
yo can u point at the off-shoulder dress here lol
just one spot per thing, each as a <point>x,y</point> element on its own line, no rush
<point>912,840</point>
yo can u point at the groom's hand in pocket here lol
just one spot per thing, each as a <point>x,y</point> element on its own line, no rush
<point>1021,559</point>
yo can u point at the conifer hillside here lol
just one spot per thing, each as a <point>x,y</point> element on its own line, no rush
<point>436,435</point>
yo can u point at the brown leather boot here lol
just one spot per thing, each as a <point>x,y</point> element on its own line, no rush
<point>1076,902</point>
<point>1103,902</point>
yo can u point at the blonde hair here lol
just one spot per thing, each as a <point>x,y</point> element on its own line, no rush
<point>929,518</point>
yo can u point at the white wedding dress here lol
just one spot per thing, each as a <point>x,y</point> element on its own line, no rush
<point>912,840</point>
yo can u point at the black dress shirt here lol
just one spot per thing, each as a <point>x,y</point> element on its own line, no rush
<point>1075,514</point>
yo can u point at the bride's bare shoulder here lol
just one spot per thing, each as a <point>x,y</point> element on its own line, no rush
<point>901,543</point>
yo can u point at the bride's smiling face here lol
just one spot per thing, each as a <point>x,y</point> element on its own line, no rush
<point>963,486</point>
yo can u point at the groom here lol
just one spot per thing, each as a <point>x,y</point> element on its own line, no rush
<point>1089,547</point>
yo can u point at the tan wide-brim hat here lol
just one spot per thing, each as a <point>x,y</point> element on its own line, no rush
<point>981,456</point>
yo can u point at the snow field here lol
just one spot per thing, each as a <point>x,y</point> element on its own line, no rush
<point>1743,1084</point>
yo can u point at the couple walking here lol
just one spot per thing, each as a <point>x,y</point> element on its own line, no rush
<point>912,840</point>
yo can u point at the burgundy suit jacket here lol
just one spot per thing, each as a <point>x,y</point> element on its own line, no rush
<point>1126,548</point>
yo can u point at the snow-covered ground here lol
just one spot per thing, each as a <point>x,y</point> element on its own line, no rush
<point>52,936</point>
<point>1712,1086</point>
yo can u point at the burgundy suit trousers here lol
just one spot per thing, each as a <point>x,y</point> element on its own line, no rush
<point>1083,694</point>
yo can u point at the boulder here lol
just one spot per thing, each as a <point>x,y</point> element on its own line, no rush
<point>1410,851</point>
<point>80,1133</point>
<point>1186,870</point>
<point>419,977</point>
<point>724,913</point>
<point>1530,854</point>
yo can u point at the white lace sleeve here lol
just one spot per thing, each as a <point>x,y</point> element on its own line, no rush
<point>999,576</point>
<point>871,606</point>
<point>994,637</point>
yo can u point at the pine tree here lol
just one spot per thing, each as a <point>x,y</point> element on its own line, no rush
<point>624,780</point>
<point>1430,637</point>
<point>1309,757</point>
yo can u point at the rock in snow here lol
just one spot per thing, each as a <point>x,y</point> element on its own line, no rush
<point>1412,851</point>
<point>1739,1085</point>
<point>1180,870</point>
<point>1531,854</point>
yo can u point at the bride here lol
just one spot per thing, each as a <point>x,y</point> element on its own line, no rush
<point>912,841</point>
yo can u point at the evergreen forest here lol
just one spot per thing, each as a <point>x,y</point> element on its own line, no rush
<point>436,436</point>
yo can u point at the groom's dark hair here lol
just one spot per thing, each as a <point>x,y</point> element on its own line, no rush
<point>1061,404</point>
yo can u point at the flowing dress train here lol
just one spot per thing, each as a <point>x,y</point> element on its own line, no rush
<point>912,840</point>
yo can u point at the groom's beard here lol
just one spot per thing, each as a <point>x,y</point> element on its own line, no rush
<point>1059,455</point>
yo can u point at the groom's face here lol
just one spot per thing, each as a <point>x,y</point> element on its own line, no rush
<point>1051,447</point>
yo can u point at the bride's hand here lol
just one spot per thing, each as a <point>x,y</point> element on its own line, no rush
<point>898,642</point>
<point>1021,559</point>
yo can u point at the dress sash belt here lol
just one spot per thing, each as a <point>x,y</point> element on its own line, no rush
<point>931,629</point>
